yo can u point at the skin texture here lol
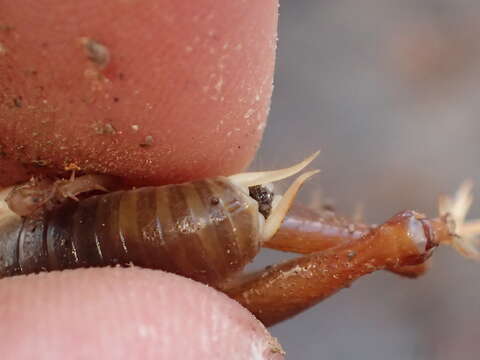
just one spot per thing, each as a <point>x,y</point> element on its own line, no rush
<point>185,94</point>
<point>95,314</point>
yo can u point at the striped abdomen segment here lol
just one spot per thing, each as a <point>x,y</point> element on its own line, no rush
<point>205,230</point>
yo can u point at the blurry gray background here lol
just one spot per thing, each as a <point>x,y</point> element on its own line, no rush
<point>389,90</point>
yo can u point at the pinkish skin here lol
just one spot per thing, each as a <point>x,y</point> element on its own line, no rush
<point>185,94</point>
<point>201,65</point>
<point>125,314</point>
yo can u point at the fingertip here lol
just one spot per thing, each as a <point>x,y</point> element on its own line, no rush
<point>184,91</point>
<point>125,314</point>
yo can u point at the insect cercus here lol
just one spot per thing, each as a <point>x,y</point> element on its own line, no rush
<point>210,229</point>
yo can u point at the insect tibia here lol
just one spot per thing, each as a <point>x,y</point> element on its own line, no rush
<point>82,184</point>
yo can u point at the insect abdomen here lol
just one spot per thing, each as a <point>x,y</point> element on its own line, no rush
<point>205,230</point>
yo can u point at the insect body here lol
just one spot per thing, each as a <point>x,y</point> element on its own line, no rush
<point>210,229</point>
<point>206,230</point>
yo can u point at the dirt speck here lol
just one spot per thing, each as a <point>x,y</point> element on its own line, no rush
<point>40,163</point>
<point>135,127</point>
<point>72,167</point>
<point>6,28</point>
<point>32,72</point>
<point>351,228</point>
<point>351,254</point>
<point>275,347</point>
<point>96,52</point>
<point>18,101</point>
<point>104,128</point>
<point>147,142</point>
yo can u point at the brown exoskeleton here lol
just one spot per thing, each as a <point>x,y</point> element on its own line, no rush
<point>210,229</point>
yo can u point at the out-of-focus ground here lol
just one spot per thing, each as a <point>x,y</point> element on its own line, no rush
<point>390,91</point>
